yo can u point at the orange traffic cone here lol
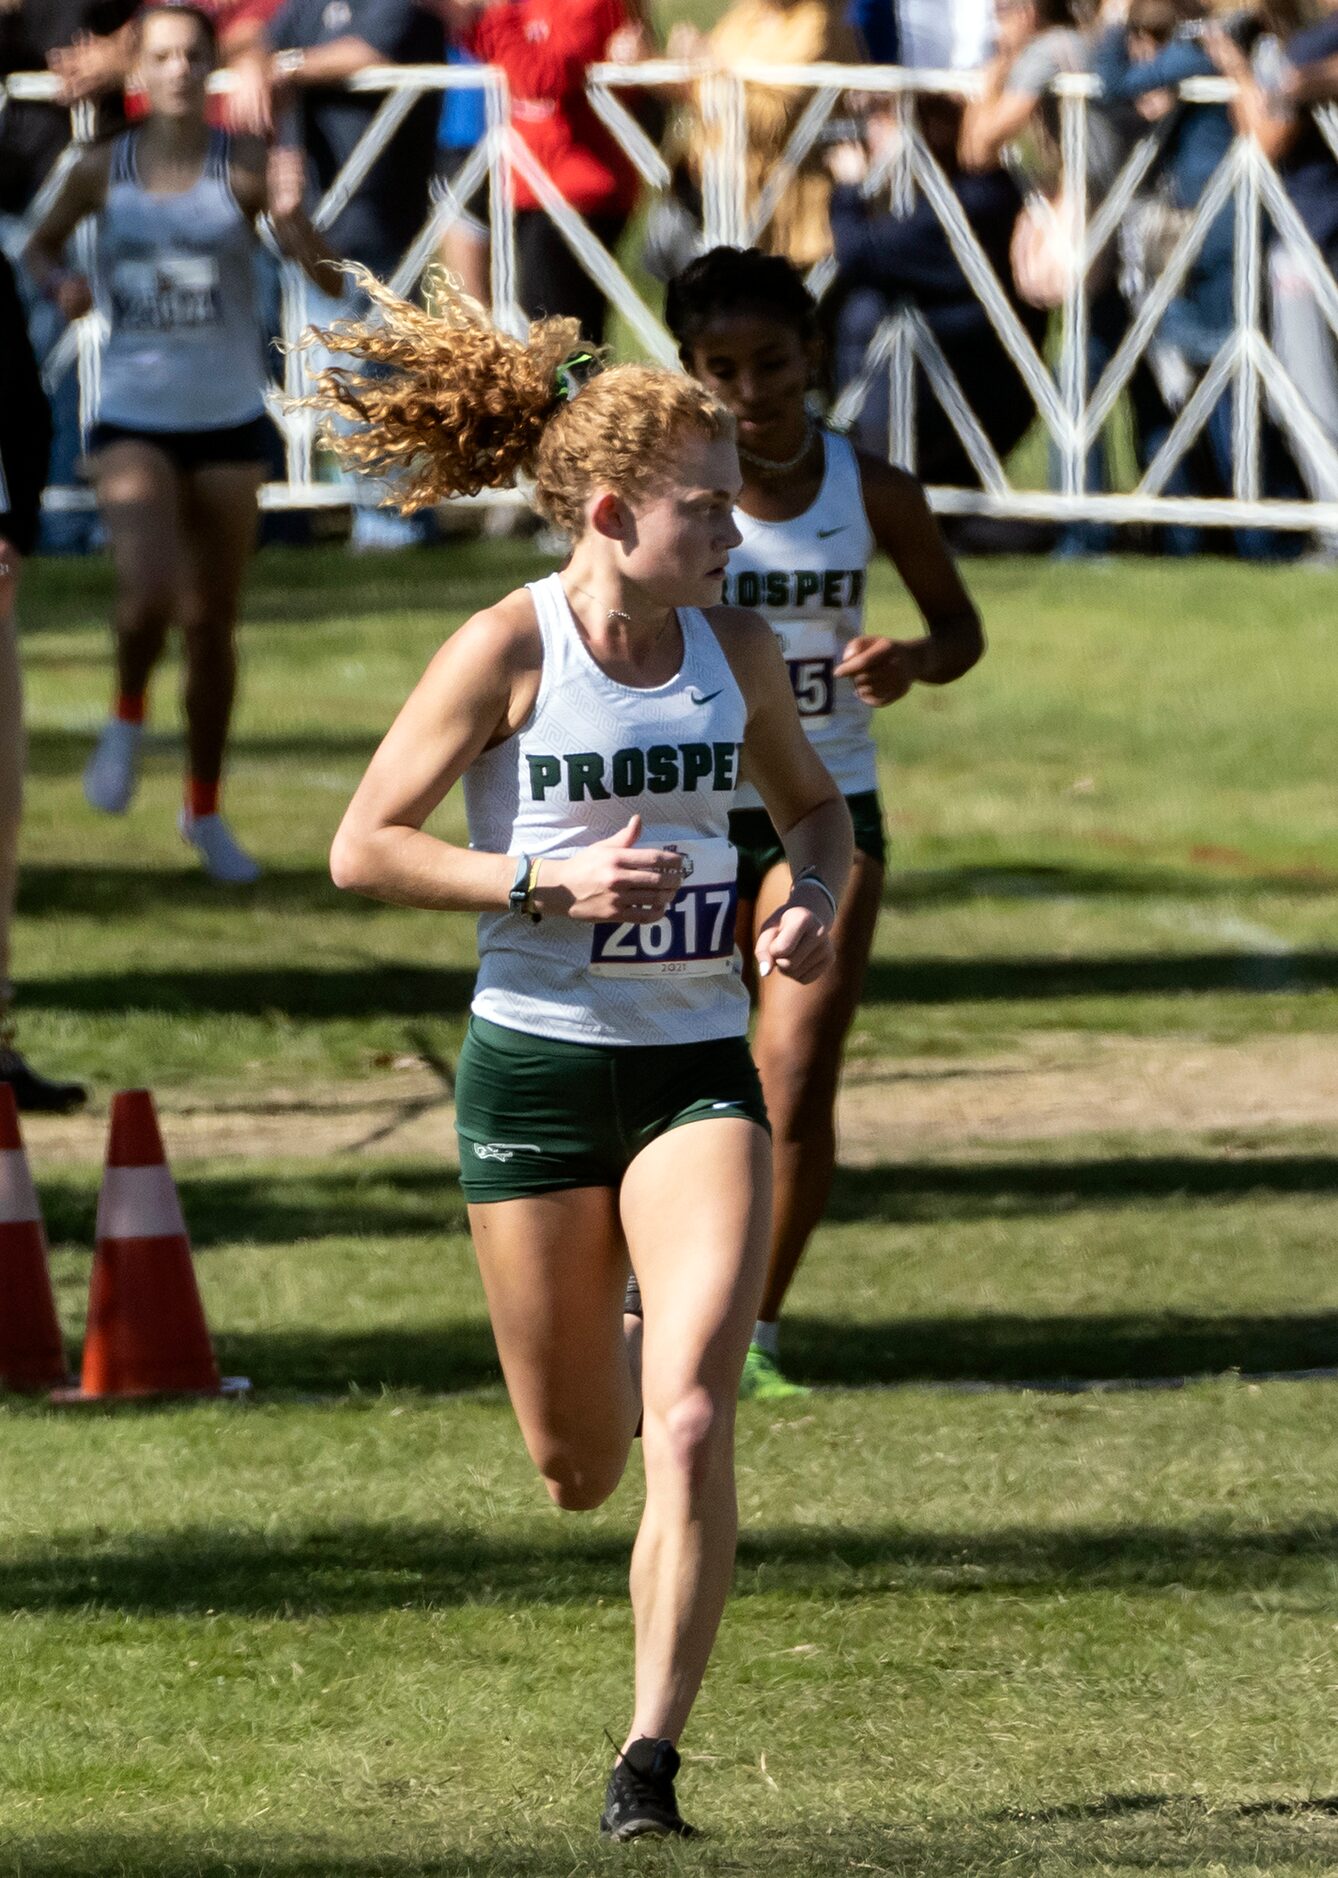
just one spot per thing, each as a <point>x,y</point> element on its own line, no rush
<point>31,1353</point>
<point>146,1332</point>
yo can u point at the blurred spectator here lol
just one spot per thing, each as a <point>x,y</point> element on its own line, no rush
<point>311,47</point>
<point>307,49</point>
<point>926,35</point>
<point>96,63</point>
<point>33,138</point>
<point>887,260</point>
<point>1038,41</point>
<point>1294,66</point>
<point>545,48</point>
<point>460,128</point>
<point>777,32</point>
<point>1140,61</point>
<point>33,34</point>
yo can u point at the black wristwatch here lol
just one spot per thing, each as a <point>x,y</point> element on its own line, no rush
<point>520,887</point>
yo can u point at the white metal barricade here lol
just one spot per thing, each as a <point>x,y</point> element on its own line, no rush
<point>1071,412</point>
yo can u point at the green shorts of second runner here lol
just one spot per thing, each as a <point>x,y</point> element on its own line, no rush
<point>535,1115</point>
<point>760,848</point>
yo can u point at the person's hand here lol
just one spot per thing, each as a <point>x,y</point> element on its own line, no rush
<point>881,132</point>
<point>1225,54</point>
<point>629,45</point>
<point>286,185</point>
<point>612,879</point>
<point>848,163</point>
<point>88,66</point>
<point>250,102</point>
<point>1155,105</point>
<point>796,941</point>
<point>73,296</point>
<point>883,669</point>
<point>686,41</point>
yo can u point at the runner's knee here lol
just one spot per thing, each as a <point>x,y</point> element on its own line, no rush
<point>578,1481</point>
<point>688,1435</point>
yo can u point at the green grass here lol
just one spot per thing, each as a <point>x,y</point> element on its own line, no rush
<point>1121,822</point>
<point>338,1632</point>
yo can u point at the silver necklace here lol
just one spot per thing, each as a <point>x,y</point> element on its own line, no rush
<point>770,466</point>
<point>616,612</point>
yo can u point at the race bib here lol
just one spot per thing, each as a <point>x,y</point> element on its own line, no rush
<point>812,651</point>
<point>169,293</point>
<point>813,682</point>
<point>696,936</point>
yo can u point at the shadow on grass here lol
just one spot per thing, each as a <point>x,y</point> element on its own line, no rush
<point>388,1200</point>
<point>1174,1833</point>
<point>1056,1352</point>
<point>379,989</point>
<point>345,1201</point>
<point>364,1567</point>
<point>55,754</point>
<point>1141,975</point>
<point>902,1193</point>
<point>83,891</point>
<point>1064,1354</point>
<point>918,889</point>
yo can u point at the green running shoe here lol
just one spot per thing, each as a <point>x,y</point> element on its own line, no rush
<point>762,1381</point>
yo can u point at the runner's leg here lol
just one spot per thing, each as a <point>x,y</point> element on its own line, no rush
<point>799,1047</point>
<point>554,1268</point>
<point>695,1207</point>
<point>139,496</point>
<point>220,512</point>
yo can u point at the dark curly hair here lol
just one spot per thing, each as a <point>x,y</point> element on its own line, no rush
<point>737,280</point>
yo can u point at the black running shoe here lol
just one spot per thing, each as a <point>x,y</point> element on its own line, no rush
<point>37,1095</point>
<point>639,1800</point>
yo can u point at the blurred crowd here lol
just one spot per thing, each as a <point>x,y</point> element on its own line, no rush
<point>996,140</point>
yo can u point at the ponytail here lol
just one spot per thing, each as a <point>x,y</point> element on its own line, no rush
<point>443,404</point>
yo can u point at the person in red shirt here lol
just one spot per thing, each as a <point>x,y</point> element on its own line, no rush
<point>545,48</point>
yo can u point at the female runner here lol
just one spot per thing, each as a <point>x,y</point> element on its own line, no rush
<point>608,1110</point>
<point>812,512</point>
<point>177,453</point>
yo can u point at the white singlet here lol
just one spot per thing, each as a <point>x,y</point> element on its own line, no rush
<point>176,285</point>
<point>806,577</point>
<point>592,754</point>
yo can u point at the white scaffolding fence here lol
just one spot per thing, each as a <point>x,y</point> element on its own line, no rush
<point>1072,412</point>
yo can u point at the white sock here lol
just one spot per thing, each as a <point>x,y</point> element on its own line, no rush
<point>767,1337</point>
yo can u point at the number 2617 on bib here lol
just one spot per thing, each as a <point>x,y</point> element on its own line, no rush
<point>695,937</point>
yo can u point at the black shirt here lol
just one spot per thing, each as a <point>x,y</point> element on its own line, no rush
<point>390,206</point>
<point>32,136</point>
<point>1308,169</point>
<point>25,422</point>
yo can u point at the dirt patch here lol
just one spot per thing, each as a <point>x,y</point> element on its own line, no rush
<point>1061,1085</point>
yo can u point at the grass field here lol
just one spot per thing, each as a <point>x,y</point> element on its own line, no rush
<point>1089,1133</point>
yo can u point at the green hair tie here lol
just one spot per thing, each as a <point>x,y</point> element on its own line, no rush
<point>567,383</point>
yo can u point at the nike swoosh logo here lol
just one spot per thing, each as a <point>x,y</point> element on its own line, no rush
<point>704,697</point>
<point>839,529</point>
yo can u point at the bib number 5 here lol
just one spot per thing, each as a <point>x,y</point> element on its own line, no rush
<point>812,682</point>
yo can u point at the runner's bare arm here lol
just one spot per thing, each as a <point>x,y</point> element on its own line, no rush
<point>82,193</point>
<point>274,182</point>
<point>803,802</point>
<point>478,691</point>
<point>904,528</point>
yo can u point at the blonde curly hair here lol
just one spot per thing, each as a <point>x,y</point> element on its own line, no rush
<point>443,404</point>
